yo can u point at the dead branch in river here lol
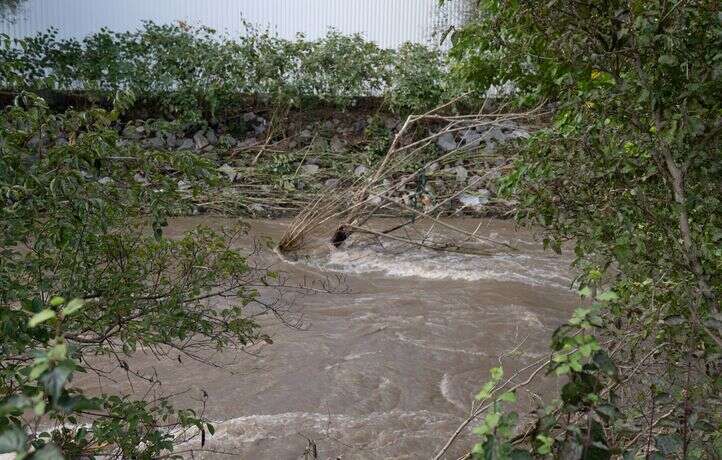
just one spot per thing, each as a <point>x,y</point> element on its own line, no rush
<point>398,185</point>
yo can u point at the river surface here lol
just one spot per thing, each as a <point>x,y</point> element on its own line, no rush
<point>386,365</point>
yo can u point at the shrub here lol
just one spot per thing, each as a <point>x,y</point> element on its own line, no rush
<point>629,172</point>
<point>83,219</point>
<point>195,73</point>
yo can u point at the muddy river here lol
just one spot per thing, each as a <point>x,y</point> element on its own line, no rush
<point>386,365</point>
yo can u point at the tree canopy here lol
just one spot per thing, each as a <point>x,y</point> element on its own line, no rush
<point>629,171</point>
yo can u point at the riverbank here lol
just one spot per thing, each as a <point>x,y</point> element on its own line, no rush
<point>273,165</point>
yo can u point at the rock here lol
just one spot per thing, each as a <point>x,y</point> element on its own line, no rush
<point>305,135</point>
<point>250,142</point>
<point>140,178</point>
<point>226,140</point>
<point>313,161</point>
<point>519,134</point>
<point>154,143</point>
<point>106,180</point>
<point>211,136</point>
<point>308,170</point>
<point>256,207</point>
<point>494,133</point>
<point>327,126</point>
<point>133,132</point>
<point>359,126</point>
<point>61,142</point>
<point>471,138</point>
<point>186,144</point>
<point>183,186</point>
<point>319,144</point>
<point>331,183</point>
<point>508,126</point>
<point>360,170</point>
<point>461,173</point>
<point>200,141</point>
<point>171,141</point>
<point>338,145</point>
<point>260,126</point>
<point>248,117</point>
<point>433,167</point>
<point>446,142</point>
<point>34,142</point>
<point>474,200</point>
<point>229,172</point>
<point>475,181</point>
<point>391,123</point>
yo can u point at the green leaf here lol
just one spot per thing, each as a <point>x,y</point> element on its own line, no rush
<point>486,390</point>
<point>12,440</point>
<point>608,296</point>
<point>608,412</point>
<point>497,373</point>
<point>509,396</point>
<point>77,403</point>
<point>668,444</point>
<point>492,420</point>
<point>41,317</point>
<point>518,454</point>
<point>54,381</point>
<point>667,59</point>
<point>56,301</point>
<point>604,363</point>
<point>563,369</point>
<point>73,306</point>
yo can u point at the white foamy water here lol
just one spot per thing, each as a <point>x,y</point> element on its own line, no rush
<point>535,269</point>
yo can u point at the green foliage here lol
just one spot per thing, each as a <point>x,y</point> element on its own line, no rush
<point>629,171</point>
<point>196,73</point>
<point>420,79</point>
<point>83,218</point>
<point>497,427</point>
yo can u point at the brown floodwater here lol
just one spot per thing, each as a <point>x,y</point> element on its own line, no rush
<point>387,364</point>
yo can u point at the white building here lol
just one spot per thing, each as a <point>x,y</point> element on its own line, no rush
<point>387,22</point>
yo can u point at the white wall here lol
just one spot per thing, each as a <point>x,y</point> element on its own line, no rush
<point>387,22</point>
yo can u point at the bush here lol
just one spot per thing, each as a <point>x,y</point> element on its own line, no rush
<point>196,73</point>
<point>83,219</point>
<point>630,173</point>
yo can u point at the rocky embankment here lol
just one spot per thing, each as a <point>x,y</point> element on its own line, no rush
<point>274,168</point>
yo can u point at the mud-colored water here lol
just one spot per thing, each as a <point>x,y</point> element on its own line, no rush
<point>389,368</point>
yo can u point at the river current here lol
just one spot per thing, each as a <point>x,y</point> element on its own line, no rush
<point>387,364</point>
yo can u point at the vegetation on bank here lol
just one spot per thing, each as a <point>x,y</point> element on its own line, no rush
<point>88,277</point>
<point>199,74</point>
<point>630,171</point>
